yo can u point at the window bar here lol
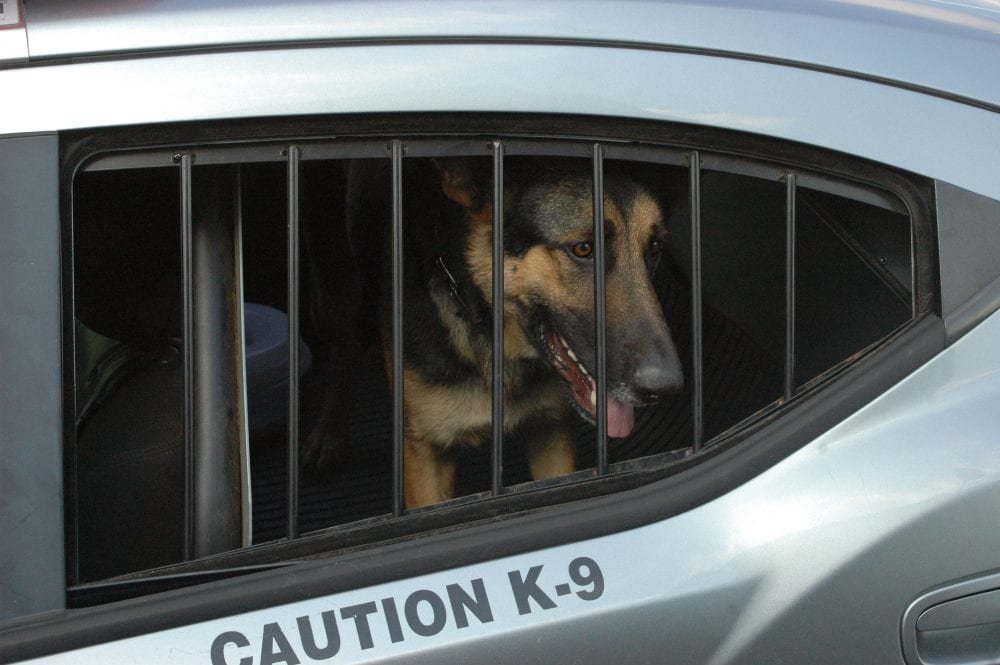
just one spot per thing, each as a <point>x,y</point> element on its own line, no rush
<point>790,212</point>
<point>697,341</point>
<point>600,313</point>
<point>187,351</point>
<point>398,497</point>
<point>218,435</point>
<point>293,154</point>
<point>246,498</point>
<point>498,323</point>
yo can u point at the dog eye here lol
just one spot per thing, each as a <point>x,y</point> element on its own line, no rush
<point>656,247</point>
<point>582,250</point>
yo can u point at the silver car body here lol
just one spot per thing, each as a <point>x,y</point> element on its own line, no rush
<point>814,560</point>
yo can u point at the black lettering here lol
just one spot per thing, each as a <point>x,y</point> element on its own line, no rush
<point>309,641</point>
<point>593,577</point>
<point>360,615</point>
<point>440,615</point>
<point>392,620</point>
<point>219,647</point>
<point>273,637</point>
<point>527,589</point>
<point>462,601</point>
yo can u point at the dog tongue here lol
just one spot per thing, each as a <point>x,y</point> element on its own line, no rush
<point>621,418</point>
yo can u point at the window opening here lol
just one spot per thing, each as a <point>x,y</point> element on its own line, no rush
<point>305,243</point>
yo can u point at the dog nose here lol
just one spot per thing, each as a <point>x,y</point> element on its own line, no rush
<point>657,374</point>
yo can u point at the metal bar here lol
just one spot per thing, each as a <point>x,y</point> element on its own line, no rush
<point>293,341</point>
<point>820,182</point>
<point>398,495</point>
<point>450,146</point>
<point>600,312</point>
<point>243,425</point>
<point>790,213</point>
<point>873,196</point>
<point>647,154</point>
<point>525,147</point>
<point>697,334</point>
<point>654,461</point>
<point>498,323</point>
<point>187,341</point>
<point>217,342</point>
<point>240,153</point>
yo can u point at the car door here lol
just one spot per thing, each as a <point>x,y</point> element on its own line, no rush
<point>823,489</point>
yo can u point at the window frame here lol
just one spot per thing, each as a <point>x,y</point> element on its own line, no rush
<point>544,516</point>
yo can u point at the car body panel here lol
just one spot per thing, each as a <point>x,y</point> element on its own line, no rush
<point>921,133</point>
<point>932,44</point>
<point>780,570</point>
<point>968,244</point>
<point>30,396</point>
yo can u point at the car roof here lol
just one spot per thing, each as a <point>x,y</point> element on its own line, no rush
<point>946,48</point>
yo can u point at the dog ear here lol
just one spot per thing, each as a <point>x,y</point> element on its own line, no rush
<point>460,182</point>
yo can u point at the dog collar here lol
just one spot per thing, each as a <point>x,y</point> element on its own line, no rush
<point>453,286</point>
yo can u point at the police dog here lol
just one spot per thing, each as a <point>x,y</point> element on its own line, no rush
<point>549,323</point>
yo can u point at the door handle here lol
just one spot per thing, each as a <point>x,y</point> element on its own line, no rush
<point>958,624</point>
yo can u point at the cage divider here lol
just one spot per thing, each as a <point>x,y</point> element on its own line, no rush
<point>398,490</point>
<point>246,486</point>
<point>790,221</point>
<point>697,333</point>
<point>187,353</point>
<point>496,475</point>
<point>600,312</point>
<point>293,156</point>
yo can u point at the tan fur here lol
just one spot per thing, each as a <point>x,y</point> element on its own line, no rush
<point>462,414</point>
<point>645,215</point>
<point>438,418</point>
<point>552,451</point>
<point>621,293</point>
<point>479,257</point>
<point>428,474</point>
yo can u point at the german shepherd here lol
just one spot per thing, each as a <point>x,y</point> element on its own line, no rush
<point>549,325</point>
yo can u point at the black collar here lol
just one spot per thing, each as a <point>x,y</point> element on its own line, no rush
<point>453,287</point>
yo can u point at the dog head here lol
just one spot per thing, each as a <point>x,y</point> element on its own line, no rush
<point>549,271</point>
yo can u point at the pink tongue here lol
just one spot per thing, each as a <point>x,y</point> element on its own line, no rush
<point>621,419</point>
